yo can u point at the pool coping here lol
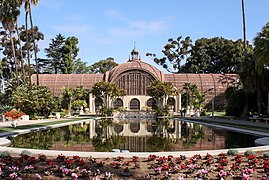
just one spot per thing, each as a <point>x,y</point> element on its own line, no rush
<point>123,154</point>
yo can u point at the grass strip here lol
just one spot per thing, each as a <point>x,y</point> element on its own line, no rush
<point>246,127</point>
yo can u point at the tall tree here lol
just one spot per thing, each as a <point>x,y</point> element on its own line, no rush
<point>80,67</point>
<point>261,49</point>
<point>174,52</point>
<point>70,52</point>
<point>215,55</point>
<point>54,54</point>
<point>28,15</point>
<point>244,27</point>
<point>9,12</point>
<point>103,66</point>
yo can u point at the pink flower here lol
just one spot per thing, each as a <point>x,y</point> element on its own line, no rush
<point>245,176</point>
<point>38,177</point>
<point>13,175</point>
<point>222,173</point>
<point>96,178</point>
<point>74,176</point>
<point>180,178</point>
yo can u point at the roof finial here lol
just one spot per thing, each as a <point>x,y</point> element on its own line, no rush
<point>135,53</point>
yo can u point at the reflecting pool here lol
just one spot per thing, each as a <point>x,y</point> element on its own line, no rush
<point>133,135</point>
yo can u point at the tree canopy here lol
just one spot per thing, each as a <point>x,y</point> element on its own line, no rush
<point>215,55</point>
<point>103,66</point>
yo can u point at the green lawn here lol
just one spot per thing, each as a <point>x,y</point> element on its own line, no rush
<point>216,113</point>
<point>10,129</point>
<point>253,127</point>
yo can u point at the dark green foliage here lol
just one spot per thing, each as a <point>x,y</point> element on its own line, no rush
<point>5,154</point>
<point>249,153</point>
<point>232,152</point>
<point>261,50</point>
<point>103,66</point>
<point>70,52</point>
<point>54,55</point>
<point>236,102</point>
<point>215,55</point>
<point>35,101</point>
<point>106,111</point>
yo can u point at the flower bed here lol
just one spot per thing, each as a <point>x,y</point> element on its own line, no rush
<point>236,166</point>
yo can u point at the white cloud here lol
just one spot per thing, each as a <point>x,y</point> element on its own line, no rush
<point>139,28</point>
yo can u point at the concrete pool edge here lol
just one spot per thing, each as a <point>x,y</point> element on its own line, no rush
<point>124,154</point>
<point>55,153</point>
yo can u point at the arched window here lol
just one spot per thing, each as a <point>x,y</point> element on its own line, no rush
<point>171,102</point>
<point>135,82</point>
<point>117,103</point>
<point>134,127</point>
<point>152,103</point>
<point>135,104</point>
<point>118,128</point>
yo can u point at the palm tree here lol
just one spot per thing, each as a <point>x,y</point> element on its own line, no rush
<point>261,50</point>
<point>244,27</point>
<point>28,13</point>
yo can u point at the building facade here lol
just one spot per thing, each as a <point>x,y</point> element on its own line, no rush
<point>134,77</point>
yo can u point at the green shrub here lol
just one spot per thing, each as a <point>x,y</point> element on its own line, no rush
<point>249,152</point>
<point>232,152</point>
<point>5,154</point>
<point>26,153</point>
<point>266,154</point>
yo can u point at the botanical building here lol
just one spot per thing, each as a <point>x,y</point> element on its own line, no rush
<point>134,77</point>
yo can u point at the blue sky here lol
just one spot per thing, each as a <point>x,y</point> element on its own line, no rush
<point>107,28</point>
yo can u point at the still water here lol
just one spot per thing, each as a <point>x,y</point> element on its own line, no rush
<point>133,135</point>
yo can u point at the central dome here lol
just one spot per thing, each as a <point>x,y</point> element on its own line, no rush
<point>138,65</point>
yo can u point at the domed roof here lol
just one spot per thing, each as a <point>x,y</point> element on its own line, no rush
<point>135,64</point>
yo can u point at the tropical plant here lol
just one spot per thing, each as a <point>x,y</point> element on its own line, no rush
<point>79,103</point>
<point>160,91</point>
<point>107,92</point>
<point>261,49</point>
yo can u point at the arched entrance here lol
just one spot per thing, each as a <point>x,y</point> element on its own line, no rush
<point>134,104</point>
<point>98,104</point>
<point>152,103</point>
<point>117,103</point>
<point>171,102</point>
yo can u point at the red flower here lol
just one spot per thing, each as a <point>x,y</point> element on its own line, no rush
<point>170,157</point>
<point>14,114</point>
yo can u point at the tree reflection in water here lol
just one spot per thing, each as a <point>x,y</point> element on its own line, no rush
<point>36,140</point>
<point>161,140</point>
<point>191,134</point>
<point>104,141</point>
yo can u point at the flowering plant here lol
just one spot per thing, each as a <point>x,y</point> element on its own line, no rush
<point>14,114</point>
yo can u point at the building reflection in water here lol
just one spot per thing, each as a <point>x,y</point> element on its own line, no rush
<point>135,135</point>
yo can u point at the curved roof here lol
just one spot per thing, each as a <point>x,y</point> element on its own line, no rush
<point>57,81</point>
<point>135,64</point>
<point>211,84</point>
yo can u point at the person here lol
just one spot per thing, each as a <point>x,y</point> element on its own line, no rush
<point>181,112</point>
<point>184,112</point>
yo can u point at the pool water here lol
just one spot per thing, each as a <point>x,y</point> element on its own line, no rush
<point>134,136</point>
